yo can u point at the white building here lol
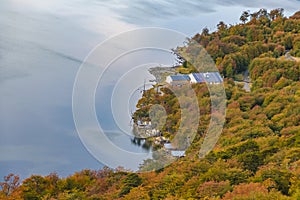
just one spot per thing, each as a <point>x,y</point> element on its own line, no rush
<point>207,77</point>
<point>177,153</point>
<point>177,80</point>
<point>196,78</point>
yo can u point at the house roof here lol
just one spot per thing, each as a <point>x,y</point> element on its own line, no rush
<point>209,77</point>
<point>180,78</point>
<point>212,77</point>
<point>168,146</point>
<point>198,77</point>
<point>177,153</point>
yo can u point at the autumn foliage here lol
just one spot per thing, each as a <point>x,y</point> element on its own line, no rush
<point>258,153</point>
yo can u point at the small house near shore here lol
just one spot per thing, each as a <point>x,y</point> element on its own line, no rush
<point>207,77</point>
<point>178,80</point>
<point>177,153</point>
<point>213,77</point>
<point>197,78</point>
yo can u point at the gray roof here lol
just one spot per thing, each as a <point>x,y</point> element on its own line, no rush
<point>209,77</point>
<point>177,153</point>
<point>168,146</point>
<point>180,78</point>
<point>212,77</point>
<point>198,77</point>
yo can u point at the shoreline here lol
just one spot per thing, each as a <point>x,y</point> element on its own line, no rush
<point>160,73</point>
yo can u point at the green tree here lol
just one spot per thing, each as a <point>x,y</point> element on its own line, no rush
<point>244,17</point>
<point>132,180</point>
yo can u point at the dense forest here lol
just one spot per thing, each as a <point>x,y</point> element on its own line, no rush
<point>257,155</point>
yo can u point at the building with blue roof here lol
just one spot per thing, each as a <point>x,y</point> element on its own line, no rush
<point>207,77</point>
<point>177,80</point>
<point>197,78</point>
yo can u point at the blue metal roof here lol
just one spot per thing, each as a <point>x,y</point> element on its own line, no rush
<point>213,77</point>
<point>209,77</point>
<point>199,77</point>
<point>180,78</point>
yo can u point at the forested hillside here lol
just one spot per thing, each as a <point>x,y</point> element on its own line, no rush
<point>257,155</point>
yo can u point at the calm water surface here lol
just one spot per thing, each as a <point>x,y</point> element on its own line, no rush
<point>42,45</point>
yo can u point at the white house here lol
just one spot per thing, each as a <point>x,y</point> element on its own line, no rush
<point>207,77</point>
<point>177,80</point>
<point>168,146</point>
<point>196,78</point>
<point>177,153</point>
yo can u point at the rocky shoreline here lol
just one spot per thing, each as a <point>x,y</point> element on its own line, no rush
<point>160,73</point>
<point>143,129</point>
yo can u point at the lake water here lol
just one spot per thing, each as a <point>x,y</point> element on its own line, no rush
<point>43,44</point>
